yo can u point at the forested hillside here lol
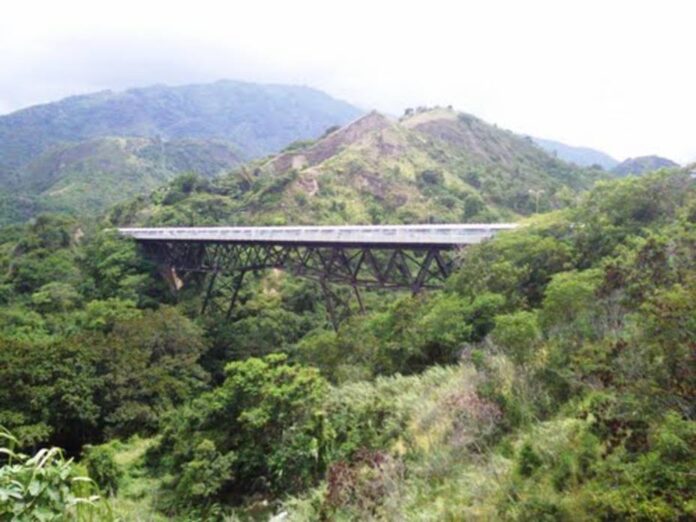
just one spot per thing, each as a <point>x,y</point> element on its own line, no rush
<point>69,155</point>
<point>552,379</point>
<point>256,118</point>
<point>433,165</point>
<point>89,177</point>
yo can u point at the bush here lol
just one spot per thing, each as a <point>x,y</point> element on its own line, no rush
<point>528,461</point>
<point>260,432</point>
<point>659,484</point>
<point>100,464</point>
<point>540,510</point>
<point>518,334</point>
<point>360,486</point>
<point>431,178</point>
<point>569,308</point>
<point>46,487</point>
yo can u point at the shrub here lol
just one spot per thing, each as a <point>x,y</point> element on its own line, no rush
<point>100,464</point>
<point>657,485</point>
<point>55,297</point>
<point>540,510</point>
<point>46,486</point>
<point>431,178</point>
<point>518,334</point>
<point>528,461</point>
<point>362,485</point>
<point>260,432</point>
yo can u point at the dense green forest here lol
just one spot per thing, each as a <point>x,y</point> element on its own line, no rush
<point>552,379</point>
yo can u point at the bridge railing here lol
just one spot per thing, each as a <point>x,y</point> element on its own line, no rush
<point>397,234</point>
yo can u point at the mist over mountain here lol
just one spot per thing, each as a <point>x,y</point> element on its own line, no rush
<point>581,156</point>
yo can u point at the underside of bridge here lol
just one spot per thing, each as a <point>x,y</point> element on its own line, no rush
<point>342,259</point>
<point>221,268</point>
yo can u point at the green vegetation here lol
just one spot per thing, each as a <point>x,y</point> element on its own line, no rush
<point>552,379</point>
<point>643,164</point>
<point>433,166</point>
<point>258,119</point>
<point>46,486</point>
<point>82,154</point>
<point>86,178</point>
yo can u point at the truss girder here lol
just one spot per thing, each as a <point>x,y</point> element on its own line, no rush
<point>410,269</point>
<point>225,264</point>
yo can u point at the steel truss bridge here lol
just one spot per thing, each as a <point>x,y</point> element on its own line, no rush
<point>397,257</point>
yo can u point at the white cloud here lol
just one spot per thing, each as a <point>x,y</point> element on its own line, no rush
<point>614,75</point>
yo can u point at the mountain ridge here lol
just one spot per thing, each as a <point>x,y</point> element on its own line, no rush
<point>203,128</point>
<point>433,166</point>
<point>581,156</point>
<point>643,164</point>
<point>257,118</point>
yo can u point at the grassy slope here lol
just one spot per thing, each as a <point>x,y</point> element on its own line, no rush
<point>434,166</point>
<point>90,176</point>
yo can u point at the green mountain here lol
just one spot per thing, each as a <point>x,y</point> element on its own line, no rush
<point>258,119</point>
<point>643,164</point>
<point>89,176</point>
<point>551,378</point>
<point>52,153</point>
<point>431,166</point>
<point>582,156</point>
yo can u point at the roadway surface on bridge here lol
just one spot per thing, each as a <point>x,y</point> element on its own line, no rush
<point>442,236</point>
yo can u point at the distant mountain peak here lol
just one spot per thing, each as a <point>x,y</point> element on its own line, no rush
<point>581,156</point>
<point>431,165</point>
<point>643,164</point>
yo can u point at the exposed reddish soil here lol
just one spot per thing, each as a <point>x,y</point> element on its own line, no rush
<point>331,144</point>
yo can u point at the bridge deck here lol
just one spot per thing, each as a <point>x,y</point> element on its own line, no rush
<point>374,235</point>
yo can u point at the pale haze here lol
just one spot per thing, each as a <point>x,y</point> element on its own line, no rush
<point>618,76</point>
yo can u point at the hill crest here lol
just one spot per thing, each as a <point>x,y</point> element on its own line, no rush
<point>256,118</point>
<point>643,164</point>
<point>206,128</point>
<point>432,166</point>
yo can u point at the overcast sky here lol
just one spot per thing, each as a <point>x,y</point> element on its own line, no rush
<point>616,75</point>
